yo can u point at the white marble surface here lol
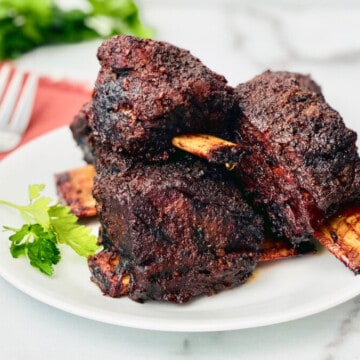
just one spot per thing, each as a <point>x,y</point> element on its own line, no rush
<point>238,39</point>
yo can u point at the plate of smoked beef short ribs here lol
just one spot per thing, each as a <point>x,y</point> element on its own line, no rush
<point>217,207</point>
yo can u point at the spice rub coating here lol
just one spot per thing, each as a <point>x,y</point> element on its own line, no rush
<point>304,164</point>
<point>148,91</point>
<point>182,227</point>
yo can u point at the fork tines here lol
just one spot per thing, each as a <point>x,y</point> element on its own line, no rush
<point>17,95</point>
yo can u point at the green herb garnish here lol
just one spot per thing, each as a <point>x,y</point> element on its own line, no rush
<point>25,24</point>
<point>47,226</point>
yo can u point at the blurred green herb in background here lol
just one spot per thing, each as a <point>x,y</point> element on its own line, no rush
<point>27,24</point>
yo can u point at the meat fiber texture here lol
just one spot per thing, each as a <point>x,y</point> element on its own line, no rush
<point>149,91</point>
<point>304,163</point>
<point>181,227</point>
<point>177,225</point>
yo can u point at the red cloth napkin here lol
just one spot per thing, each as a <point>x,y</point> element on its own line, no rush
<point>56,104</point>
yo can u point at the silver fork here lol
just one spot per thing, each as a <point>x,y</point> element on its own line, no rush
<point>16,106</point>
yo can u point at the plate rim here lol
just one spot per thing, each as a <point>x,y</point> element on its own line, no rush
<point>161,324</point>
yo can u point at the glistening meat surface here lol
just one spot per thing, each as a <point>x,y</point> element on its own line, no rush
<point>304,164</point>
<point>176,225</point>
<point>148,91</point>
<point>182,227</point>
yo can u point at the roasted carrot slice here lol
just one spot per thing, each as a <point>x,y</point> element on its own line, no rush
<point>74,188</point>
<point>341,236</point>
<point>281,249</point>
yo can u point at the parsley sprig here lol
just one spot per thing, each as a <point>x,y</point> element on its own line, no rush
<point>47,226</point>
<point>26,24</point>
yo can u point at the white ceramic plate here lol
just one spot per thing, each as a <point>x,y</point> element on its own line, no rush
<point>279,291</point>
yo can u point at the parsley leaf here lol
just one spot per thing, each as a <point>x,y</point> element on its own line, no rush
<point>47,226</point>
<point>69,232</point>
<point>38,245</point>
